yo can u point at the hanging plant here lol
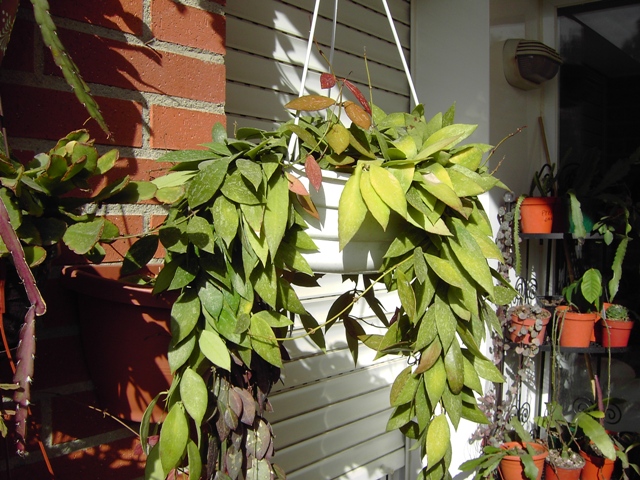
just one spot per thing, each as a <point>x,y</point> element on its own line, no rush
<point>235,241</point>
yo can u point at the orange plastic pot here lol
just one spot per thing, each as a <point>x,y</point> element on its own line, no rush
<point>518,323</point>
<point>576,329</point>
<point>124,330</point>
<point>596,468</point>
<point>615,333</point>
<point>559,473</point>
<point>511,467</point>
<point>536,214</point>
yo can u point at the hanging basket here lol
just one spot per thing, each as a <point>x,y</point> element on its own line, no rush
<point>364,253</point>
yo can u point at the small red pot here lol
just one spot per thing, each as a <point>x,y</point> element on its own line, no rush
<point>576,329</point>
<point>559,473</point>
<point>536,214</point>
<point>615,333</point>
<point>527,322</point>
<point>596,468</point>
<point>511,467</point>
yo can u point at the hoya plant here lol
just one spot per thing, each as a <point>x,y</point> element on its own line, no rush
<point>235,241</point>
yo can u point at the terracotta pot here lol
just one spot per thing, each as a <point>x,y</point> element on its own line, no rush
<point>528,323</point>
<point>559,473</point>
<point>536,214</point>
<point>364,253</point>
<point>596,468</point>
<point>511,467</point>
<point>576,329</point>
<point>124,331</point>
<point>615,333</point>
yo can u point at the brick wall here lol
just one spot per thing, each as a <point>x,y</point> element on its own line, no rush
<point>156,68</point>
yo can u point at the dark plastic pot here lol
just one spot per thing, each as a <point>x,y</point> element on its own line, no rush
<point>124,330</point>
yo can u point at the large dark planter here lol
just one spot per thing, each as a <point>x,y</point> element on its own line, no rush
<point>124,330</point>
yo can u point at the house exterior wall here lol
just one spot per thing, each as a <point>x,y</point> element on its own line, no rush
<point>156,68</point>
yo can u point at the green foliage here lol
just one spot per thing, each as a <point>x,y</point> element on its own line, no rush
<point>235,240</point>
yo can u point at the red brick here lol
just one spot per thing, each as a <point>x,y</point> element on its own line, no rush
<point>19,54</point>
<point>128,225</point>
<point>189,26</point>
<point>123,15</point>
<point>59,361</point>
<point>40,113</point>
<point>73,418</point>
<point>179,128</point>
<point>133,67</point>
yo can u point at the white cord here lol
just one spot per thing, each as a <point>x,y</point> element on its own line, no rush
<point>404,62</point>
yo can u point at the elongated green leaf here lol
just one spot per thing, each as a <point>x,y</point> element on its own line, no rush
<point>591,286</point>
<point>194,394</point>
<point>179,353</point>
<point>215,349</point>
<point>201,234</point>
<point>445,270</point>
<point>264,342</point>
<point>597,434</point>
<point>435,381</point>
<point>376,206</point>
<point>139,254</point>
<point>225,219</point>
<point>195,460</point>
<point>185,313</point>
<point>470,255</point>
<point>351,208</point>
<point>454,365</point>
<point>174,436</point>
<point>407,296</point>
<point>276,213</point>
<point>207,182</point>
<point>388,189</point>
<point>438,438</point>
<point>404,388</point>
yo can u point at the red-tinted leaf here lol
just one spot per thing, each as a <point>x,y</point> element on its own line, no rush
<point>313,171</point>
<point>327,80</point>
<point>296,185</point>
<point>308,206</point>
<point>357,115</point>
<point>358,94</point>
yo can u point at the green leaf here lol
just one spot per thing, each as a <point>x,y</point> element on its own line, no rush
<point>81,237</point>
<point>435,381</point>
<point>185,313</point>
<point>407,296</point>
<point>273,319</point>
<point>445,321</point>
<point>445,270</point>
<point>179,353</point>
<point>438,438</point>
<point>454,366</point>
<point>389,189</point>
<point>215,349</point>
<point>195,460</point>
<point>225,219</point>
<point>591,286</point>
<point>107,161</point>
<point>174,436</point>
<point>276,213</point>
<point>194,394</point>
<point>139,255</point>
<point>236,188</point>
<point>201,234</point>
<point>484,367</point>
<point>597,434</point>
<point>351,208</point>
<point>153,466</point>
<point>338,138</point>
<point>470,255</point>
<point>207,182</point>
<point>404,388</point>
<point>376,206</point>
<point>264,342</point>
<point>250,170</point>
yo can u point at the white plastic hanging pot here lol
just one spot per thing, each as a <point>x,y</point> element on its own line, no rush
<point>364,253</point>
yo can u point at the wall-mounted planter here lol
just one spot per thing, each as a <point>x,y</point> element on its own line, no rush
<point>124,330</point>
<point>536,214</point>
<point>364,253</point>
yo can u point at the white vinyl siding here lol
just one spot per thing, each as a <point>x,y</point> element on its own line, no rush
<point>329,416</point>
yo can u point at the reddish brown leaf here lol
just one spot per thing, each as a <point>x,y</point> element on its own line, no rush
<point>313,171</point>
<point>358,94</point>
<point>307,205</point>
<point>357,115</point>
<point>296,185</point>
<point>310,103</point>
<point>327,80</point>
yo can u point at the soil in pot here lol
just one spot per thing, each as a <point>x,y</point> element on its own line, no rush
<point>563,468</point>
<point>576,329</point>
<point>536,214</point>
<point>125,335</point>
<point>511,467</point>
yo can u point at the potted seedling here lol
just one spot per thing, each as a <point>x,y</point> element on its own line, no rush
<point>615,326</point>
<point>516,458</point>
